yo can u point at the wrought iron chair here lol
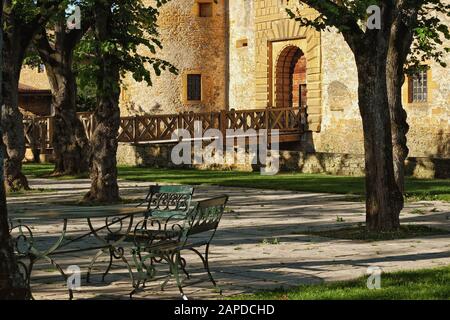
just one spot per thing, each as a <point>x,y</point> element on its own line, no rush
<point>195,231</point>
<point>163,203</point>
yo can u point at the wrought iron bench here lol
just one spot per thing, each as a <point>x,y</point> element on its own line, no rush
<point>162,202</point>
<point>165,201</point>
<point>196,230</point>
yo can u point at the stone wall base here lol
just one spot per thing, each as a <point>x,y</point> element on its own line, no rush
<point>159,156</point>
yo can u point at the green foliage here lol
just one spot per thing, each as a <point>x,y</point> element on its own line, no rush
<point>132,43</point>
<point>28,12</point>
<point>429,33</point>
<point>424,17</point>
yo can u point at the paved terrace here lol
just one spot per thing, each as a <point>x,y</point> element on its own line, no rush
<point>244,258</point>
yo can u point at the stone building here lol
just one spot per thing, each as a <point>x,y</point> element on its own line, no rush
<point>193,34</point>
<point>247,54</point>
<point>35,96</point>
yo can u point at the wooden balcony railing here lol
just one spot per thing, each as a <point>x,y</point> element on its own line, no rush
<point>159,128</point>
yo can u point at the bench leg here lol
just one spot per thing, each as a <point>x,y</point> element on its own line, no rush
<point>183,267</point>
<point>174,267</point>
<point>144,272</point>
<point>206,266</point>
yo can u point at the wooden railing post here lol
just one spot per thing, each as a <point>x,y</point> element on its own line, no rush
<point>92,126</point>
<point>50,124</point>
<point>223,124</point>
<point>286,118</point>
<point>135,129</point>
<point>180,120</point>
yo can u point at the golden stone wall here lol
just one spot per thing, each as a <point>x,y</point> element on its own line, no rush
<point>242,54</point>
<point>192,44</point>
<point>238,55</point>
<point>341,132</point>
<point>33,78</point>
<point>429,122</point>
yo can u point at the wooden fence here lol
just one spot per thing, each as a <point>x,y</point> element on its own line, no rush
<point>159,128</point>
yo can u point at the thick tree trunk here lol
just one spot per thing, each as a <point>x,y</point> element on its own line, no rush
<point>12,119</point>
<point>12,285</point>
<point>70,144</point>
<point>69,141</point>
<point>384,200</point>
<point>399,124</point>
<point>17,36</point>
<point>399,47</point>
<point>104,187</point>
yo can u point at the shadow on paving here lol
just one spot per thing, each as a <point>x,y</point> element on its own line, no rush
<point>241,259</point>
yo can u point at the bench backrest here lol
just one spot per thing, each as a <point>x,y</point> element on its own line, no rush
<point>204,217</point>
<point>168,198</point>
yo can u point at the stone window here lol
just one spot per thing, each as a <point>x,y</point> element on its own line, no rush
<point>418,87</point>
<point>205,9</point>
<point>242,43</point>
<point>194,87</point>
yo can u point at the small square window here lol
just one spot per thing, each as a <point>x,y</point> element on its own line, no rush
<point>205,9</point>
<point>242,43</point>
<point>194,87</point>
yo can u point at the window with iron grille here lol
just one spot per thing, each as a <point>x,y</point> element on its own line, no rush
<point>194,87</point>
<point>418,87</point>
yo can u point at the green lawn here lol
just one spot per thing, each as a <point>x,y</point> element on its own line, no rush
<point>420,284</point>
<point>417,189</point>
<point>359,232</point>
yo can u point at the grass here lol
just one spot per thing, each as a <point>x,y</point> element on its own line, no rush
<point>360,233</point>
<point>415,285</point>
<point>416,189</point>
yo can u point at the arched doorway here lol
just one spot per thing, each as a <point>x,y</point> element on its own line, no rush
<point>290,79</point>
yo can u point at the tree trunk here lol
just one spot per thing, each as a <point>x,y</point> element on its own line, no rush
<point>69,141</point>
<point>12,285</point>
<point>399,124</point>
<point>104,187</point>
<point>383,198</point>
<point>12,119</point>
<point>399,47</point>
<point>70,144</point>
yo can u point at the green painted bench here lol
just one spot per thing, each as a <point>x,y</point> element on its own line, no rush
<point>195,231</point>
<point>163,204</point>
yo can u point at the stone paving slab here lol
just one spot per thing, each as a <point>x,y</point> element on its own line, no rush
<point>242,259</point>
